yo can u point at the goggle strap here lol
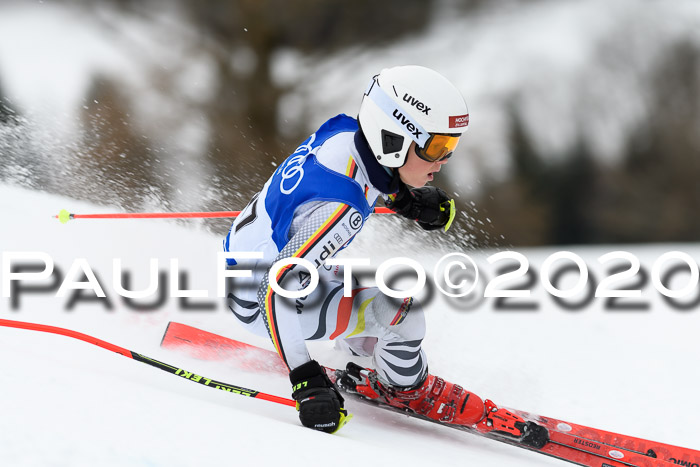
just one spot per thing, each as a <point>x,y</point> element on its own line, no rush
<point>389,107</point>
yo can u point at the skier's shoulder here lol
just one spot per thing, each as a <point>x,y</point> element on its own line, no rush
<point>336,151</point>
<point>341,123</point>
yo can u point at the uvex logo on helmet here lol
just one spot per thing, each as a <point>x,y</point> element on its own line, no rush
<point>459,121</point>
<point>416,103</point>
<point>407,123</point>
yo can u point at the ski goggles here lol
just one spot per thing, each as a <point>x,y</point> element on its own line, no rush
<point>438,147</point>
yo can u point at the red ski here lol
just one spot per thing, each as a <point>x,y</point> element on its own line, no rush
<point>571,442</point>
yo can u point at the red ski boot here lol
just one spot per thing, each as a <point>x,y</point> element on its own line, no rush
<point>444,402</point>
<point>435,398</point>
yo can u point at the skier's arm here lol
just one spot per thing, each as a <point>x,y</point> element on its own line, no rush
<point>429,206</point>
<point>323,232</point>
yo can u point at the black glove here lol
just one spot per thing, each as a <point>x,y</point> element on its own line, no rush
<point>319,403</point>
<point>429,205</point>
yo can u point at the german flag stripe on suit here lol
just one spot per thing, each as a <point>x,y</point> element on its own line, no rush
<point>308,245</point>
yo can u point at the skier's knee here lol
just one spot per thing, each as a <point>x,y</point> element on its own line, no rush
<point>406,320</point>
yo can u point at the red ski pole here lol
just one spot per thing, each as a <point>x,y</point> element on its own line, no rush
<point>64,216</point>
<point>144,359</point>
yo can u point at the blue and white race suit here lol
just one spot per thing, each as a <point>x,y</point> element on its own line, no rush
<point>312,207</point>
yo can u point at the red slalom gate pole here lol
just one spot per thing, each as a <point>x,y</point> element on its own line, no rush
<point>65,216</point>
<point>149,361</point>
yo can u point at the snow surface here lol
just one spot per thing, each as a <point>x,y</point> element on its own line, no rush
<point>67,403</point>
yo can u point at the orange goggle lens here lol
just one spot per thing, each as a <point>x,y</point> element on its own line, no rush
<point>438,147</point>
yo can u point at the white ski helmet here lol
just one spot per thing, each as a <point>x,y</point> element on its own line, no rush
<point>412,103</point>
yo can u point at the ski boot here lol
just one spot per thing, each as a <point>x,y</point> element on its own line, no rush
<point>443,402</point>
<point>434,398</point>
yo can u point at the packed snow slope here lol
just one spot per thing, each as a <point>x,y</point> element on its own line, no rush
<point>67,403</point>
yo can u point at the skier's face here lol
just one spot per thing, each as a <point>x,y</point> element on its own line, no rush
<point>416,172</point>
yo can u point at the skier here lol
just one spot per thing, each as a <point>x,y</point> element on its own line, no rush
<point>315,203</point>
